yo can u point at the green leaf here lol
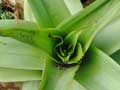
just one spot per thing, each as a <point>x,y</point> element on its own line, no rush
<point>15,75</point>
<point>14,54</point>
<point>34,85</point>
<point>28,14</point>
<point>49,13</point>
<point>89,15</point>
<point>74,85</point>
<point>108,39</point>
<point>30,85</point>
<point>74,6</point>
<point>98,72</point>
<point>36,38</point>
<point>54,78</point>
<point>17,24</point>
<point>88,35</point>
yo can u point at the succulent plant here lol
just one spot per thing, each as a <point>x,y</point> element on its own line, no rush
<point>56,49</point>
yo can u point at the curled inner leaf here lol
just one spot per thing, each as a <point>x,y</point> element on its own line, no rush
<point>69,50</point>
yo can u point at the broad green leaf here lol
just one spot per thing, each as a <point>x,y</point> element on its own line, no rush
<point>106,19</point>
<point>17,75</point>
<point>34,85</point>
<point>90,34</point>
<point>98,71</point>
<point>116,56</point>
<point>88,15</point>
<point>14,54</point>
<point>54,78</point>
<point>32,36</point>
<point>41,39</point>
<point>74,85</point>
<point>17,24</point>
<point>18,55</point>
<point>28,14</point>
<point>74,6</point>
<point>108,39</point>
<point>30,85</point>
<point>49,13</point>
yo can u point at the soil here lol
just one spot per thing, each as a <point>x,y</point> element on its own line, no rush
<point>10,86</point>
<point>14,8</point>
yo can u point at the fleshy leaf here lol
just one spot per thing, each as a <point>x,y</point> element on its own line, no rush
<point>46,14</point>
<point>30,85</point>
<point>53,76</point>
<point>17,55</point>
<point>74,6</point>
<point>88,15</point>
<point>98,72</point>
<point>27,32</point>
<point>15,75</point>
<point>74,85</point>
<point>108,39</point>
<point>88,35</point>
<point>28,14</point>
<point>17,24</point>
